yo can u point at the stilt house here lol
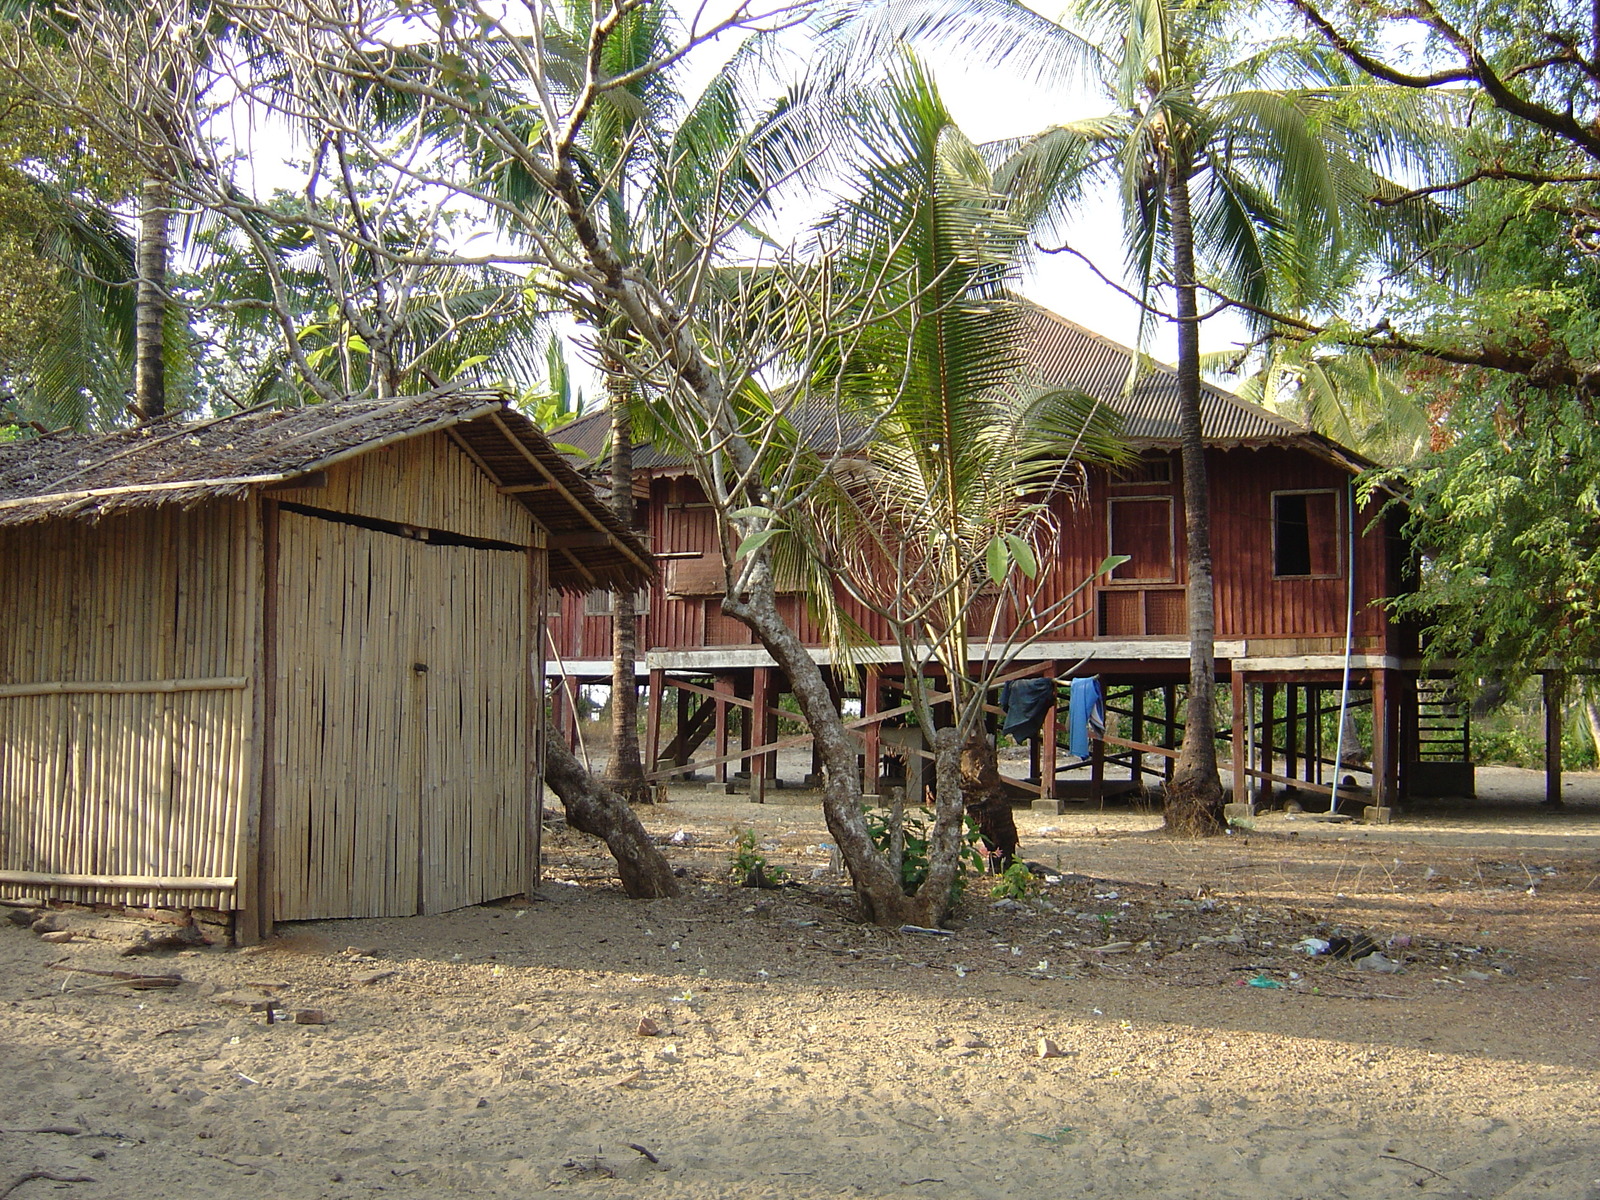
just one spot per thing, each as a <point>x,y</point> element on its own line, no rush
<point>286,664</point>
<point>1300,566</point>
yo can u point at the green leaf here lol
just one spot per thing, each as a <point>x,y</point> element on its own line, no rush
<point>1110,563</point>
<point>996,559</point>
<point>467,364</point>
<point>1022,554</point>
<point>755,541</point>
<point>753,512</point>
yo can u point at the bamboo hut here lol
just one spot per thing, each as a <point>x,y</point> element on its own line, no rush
<point>286,664</point>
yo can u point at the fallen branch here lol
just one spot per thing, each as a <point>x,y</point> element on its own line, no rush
<point>127,978</point>
<point>66,1130</point>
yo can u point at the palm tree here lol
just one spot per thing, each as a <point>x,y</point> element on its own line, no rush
<point>1234,168</point>
<point>947,501</point>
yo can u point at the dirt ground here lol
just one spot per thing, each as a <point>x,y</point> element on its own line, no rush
<point>1141,1025</point>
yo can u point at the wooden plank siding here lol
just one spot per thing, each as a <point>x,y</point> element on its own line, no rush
<point>125,705</point>
<point>1293,616</point>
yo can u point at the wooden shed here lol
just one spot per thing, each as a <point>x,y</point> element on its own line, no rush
<point>286,664</point>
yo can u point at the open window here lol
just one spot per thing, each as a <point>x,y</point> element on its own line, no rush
<point>1305,534</point>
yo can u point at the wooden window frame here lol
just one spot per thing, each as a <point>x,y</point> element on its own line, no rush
<point>592,607</point>
<point>1114,580</point>
<point>1339,518</point>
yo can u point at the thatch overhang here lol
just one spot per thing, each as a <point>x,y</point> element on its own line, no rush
<point>66,476</point>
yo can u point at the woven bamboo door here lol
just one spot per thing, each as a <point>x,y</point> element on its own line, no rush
<point>398,761</point>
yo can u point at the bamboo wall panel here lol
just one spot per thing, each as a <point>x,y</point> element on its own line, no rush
<point>399,765</point>
<point>426,481</point>
<point>127,759</point>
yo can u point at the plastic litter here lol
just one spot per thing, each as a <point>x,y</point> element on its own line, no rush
<point>1263,981</point>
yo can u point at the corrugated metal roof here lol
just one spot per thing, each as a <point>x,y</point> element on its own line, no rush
<point>1061,353</point>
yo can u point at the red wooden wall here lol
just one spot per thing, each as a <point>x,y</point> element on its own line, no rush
<point>1143,599</point>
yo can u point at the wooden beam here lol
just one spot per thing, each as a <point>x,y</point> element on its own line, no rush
<point>583,509</point>
<point>175,883</point>
<point>138,687</point>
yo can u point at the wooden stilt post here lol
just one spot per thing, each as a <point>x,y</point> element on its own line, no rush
<point>1314,735</point>
<point>652,720</point>
<point>870,736</point>
<point>1169,707</point>
<point>758,722</point>
<point>1241,739</point>
<point>1136,772</point>
<point>685,753</point>
<point>1382,740</point>
<point>1049,747</point>
<point>1097,772</point>
<point>724,686</point>
<point>1265,756</point>
<point>1554,695</point>
<point>1291,730</point>
<point>745,689</point>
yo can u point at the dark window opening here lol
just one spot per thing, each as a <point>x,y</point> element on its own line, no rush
<point>1305,534</point>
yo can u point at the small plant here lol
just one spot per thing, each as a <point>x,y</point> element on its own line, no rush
<point>1016,882</point>
<point>749,865</point>
<point>916,828</point>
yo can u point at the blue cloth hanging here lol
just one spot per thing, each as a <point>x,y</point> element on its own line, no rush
<point>1086,714</point>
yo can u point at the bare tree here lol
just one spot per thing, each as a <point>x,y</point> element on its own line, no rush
<point>484,109</point>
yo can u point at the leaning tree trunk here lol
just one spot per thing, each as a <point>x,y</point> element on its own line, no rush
<point>876,883</point>
<point>150,302</point>
<point>595,809</point>
<point>986,798</point>
<point>625,774</point>
<point>1194,798</point>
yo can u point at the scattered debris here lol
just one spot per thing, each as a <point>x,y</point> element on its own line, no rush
<point>26,1176</point>
<point>375,976</point>
<point>1049,1049</point>
<point>312,1016</point>
<point>649,1027</point>
<point>643,1151</point>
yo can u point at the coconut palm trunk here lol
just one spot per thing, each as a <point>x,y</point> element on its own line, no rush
<point>1194,798</point>
<point>150,301</point>
<point>625,774</point>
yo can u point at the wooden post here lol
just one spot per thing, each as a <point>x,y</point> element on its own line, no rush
<point>870,736</point>
<point>683,701</point>
<point>1554,694</point>
<point>652,720</point>
<point>1382,740</point>
<point>1097,771</point>
<point>1269,707</point>
<point>723,685</point>
<point>1291,730</point>
<point>1050,746</point>
<point>1169,702</point>
<point>1313,735</point>
<point>1136,771</point>
<point>757,722</point>
<point>745,690</point>
<point>1241,739</point>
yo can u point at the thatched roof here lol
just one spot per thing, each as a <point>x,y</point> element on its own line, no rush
<point>88,476</point>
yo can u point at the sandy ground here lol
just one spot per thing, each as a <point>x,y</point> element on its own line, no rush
<point>1193,1050</point>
